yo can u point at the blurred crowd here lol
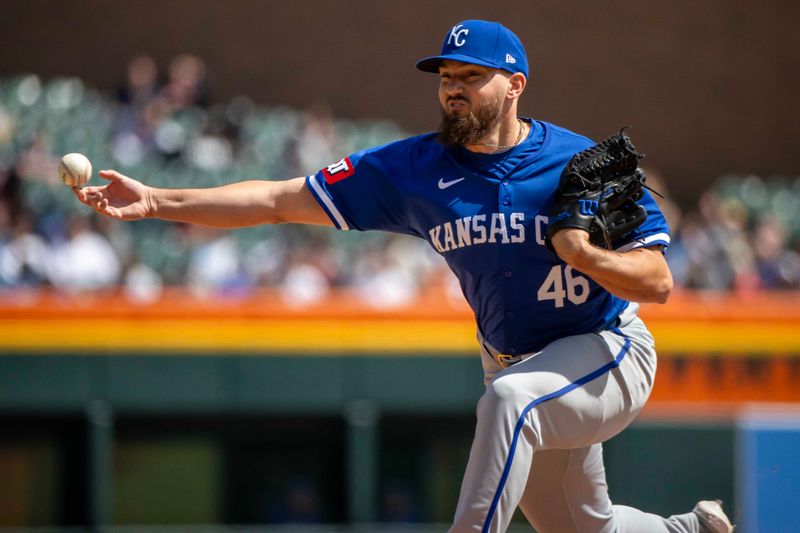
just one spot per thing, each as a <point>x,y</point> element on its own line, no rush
<point>743,234</point>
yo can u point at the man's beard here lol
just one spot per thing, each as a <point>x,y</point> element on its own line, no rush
<point>470,128</point>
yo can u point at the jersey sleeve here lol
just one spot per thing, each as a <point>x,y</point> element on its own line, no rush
<point>360,192</point>
<point>653,232</point>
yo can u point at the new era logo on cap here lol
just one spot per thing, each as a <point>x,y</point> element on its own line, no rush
<point>480,42</point>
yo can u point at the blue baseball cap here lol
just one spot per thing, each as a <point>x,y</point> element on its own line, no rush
<point>480,42</point>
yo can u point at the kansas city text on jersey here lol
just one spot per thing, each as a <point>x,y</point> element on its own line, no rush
<point>478,229</point>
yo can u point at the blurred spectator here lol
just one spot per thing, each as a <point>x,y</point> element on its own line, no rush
<point>381,280</point>
<point>315,143</point>
<point>186,85</point>
<point>84,261</point>
<point>778,267</point>
<point>119,236</point>
<point>141,284</point>
<point>23,254</point>
<point>305,282</point>
<point>210,153</point>
<point>716,246</point>
<point>265,261</point>
<point>37,162</point>
<point>214,265</point>
<point>139,112</point>
<point>7,126</point>
<point>141,83</point>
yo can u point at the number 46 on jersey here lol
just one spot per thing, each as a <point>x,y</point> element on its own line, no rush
<point>562,283</point>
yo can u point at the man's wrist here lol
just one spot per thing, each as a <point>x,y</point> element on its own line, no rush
<point>572,246</point>
<point>151,201</point>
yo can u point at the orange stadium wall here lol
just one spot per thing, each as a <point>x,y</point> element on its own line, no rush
<point>717,349</point>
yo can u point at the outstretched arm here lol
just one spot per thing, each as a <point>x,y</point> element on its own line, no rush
<point>640,275</point>
<point>246,203</point>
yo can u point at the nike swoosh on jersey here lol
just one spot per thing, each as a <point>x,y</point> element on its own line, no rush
<point>445,184</point>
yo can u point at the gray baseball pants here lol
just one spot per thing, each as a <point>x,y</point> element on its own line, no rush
<point>539,429</point>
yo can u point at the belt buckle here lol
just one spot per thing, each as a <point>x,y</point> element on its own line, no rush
<point>507,360</point>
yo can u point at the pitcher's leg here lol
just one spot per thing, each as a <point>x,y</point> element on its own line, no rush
<point>554,399</point>
<point>572,394</point>
<point>633,520</point>
<point>567,493</point>
<point>499,462</point>
<point>555,502</point>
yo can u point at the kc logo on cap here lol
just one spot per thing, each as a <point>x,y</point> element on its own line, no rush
<point>458,35</point>
<point>480,42</point>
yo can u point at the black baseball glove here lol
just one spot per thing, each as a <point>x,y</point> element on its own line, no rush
<point>598,190</point>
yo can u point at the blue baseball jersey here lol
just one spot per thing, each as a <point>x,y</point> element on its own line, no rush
<point>486,214</point>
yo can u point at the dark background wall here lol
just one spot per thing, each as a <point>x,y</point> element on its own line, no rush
<point>710,86</point>
<point>223,438</point>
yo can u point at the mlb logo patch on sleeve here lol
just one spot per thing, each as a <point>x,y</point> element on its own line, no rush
<point>338,171</point>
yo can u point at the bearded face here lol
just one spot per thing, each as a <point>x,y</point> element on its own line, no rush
<point>468,127</point>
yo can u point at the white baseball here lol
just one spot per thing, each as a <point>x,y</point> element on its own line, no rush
<point>75,170</point>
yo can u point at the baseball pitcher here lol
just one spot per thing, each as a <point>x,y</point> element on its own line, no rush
<point>553,238</point>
